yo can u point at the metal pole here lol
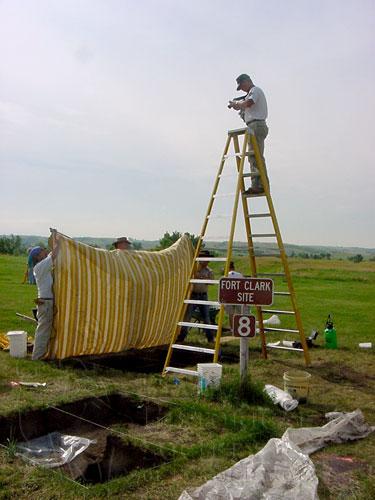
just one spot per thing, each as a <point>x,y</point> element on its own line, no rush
<point>244,359</point>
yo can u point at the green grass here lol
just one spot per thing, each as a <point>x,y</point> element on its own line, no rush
<point>207,434</point>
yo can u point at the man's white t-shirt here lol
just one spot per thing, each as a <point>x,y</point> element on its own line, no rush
<point>259,110</point>
<point>43,278</point>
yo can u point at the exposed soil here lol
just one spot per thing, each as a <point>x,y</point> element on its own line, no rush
<point>92,418</point>
<point>145,360</point>
<point>110,456</point>
<point>344,374</point>
<point>336,474</point>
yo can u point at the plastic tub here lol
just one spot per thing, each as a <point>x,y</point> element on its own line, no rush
<point>209,374</point>
<point>296,383</point>
<point>17,344</point>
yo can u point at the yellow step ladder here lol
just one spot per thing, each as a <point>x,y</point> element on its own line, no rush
<point>240,153</point>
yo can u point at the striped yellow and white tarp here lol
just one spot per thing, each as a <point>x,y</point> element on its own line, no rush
<point>111,301</point>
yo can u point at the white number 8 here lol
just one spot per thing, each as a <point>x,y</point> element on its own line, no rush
<point>244,326</point>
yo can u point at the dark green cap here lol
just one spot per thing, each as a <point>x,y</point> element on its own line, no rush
<point>241,79</point>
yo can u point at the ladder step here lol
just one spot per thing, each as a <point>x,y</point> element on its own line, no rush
<point>283,330</point>
<point>270,274</point>
<point>251,174</point>
<point>183,347</point>
<point>253,195</point>
<point>199,325</point>
<point>208,282</point>
<point>211,259</point>
<point>272,346</point>
<point>235,155</point>
<point>203,302</point>
<point>237,131</point>
<point>253,216</point>
<point>281,293</point>
<point>263,235</point>
<point>181,370</point>
<point>276,311</point>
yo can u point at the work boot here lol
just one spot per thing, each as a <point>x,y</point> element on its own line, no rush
<point>210,337</point>
<point>253,190</point>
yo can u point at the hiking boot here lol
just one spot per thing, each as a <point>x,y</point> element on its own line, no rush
<point>252,190</point>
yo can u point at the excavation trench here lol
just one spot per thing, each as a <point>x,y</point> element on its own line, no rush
<point>113,453</point>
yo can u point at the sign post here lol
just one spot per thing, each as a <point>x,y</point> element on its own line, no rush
<point>241,292</point>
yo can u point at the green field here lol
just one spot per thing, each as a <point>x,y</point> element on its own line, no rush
<point>198,437</point>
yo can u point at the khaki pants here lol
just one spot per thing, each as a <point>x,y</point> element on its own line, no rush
<point>260,131</point>
<point>43,330</point>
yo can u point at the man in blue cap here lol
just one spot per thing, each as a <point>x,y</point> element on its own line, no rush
<point>253,109</point>
<point>43,263</point>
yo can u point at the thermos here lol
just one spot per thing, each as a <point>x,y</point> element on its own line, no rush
<point>330,334</point>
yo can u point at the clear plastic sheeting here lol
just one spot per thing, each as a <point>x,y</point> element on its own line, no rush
<point>345,427</point>
<point>282,469</point>
<point>278,472</point>
<point>53,450</point>
<point>281,397</point>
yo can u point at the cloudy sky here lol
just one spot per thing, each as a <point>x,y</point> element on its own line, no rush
<point>114,114</point>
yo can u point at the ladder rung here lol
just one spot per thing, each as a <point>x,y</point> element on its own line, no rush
<point>276,311</point>
<point>203,302</point>
<point>181,370</point>
<point>211,259</point>
<point>208,282</point>
<point>251,174</point>
<point>283,330</point>
<point>271,346</point>
<point>235,155</point>
<point>199,325</point>
<point>223,195</point>
<point>253,216</point>
<point>253,195</point>
<point>237,131</point>
<point>192,348</point>
<point>270,274</point>
<point>281,293</point>
<point>263,235</point>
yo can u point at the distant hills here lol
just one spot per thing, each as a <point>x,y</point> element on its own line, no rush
<point>220,247</point>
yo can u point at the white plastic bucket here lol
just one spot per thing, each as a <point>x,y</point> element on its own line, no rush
<point>296,383</point>
<point>17,344</point>
<point>209,375</point>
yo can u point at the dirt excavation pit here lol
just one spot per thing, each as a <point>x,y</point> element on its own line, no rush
<point>115,450</point>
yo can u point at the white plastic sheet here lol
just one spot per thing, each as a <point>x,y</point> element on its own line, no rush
<point>281,397</point>
<point>53,450</point>
<point>345,427</point>
<point>282,469</point>
<point>278,472</point>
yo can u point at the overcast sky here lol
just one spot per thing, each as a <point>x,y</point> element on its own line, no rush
<point>114,114</point>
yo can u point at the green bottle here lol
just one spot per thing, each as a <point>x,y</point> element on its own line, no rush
<point>330,334</point>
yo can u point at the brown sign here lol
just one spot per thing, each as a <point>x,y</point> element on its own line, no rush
<point>246,291</point>
<point>244,326</point>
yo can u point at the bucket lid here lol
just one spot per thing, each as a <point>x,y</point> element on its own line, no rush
<point>16,332</point>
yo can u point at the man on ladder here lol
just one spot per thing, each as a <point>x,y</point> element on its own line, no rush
<point>253,109</point>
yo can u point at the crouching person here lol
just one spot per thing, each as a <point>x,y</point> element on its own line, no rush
<point>43,263</point>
